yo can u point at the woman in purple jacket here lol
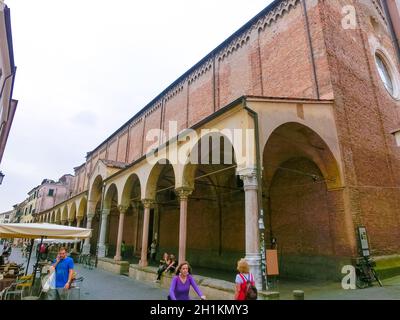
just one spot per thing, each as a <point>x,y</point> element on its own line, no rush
<point>181,283</point>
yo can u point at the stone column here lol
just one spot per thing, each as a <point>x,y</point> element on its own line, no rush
<point>70,222</point>
<point>122,211</point>
<point>103,230</point>
<point>183,195</point>
<point>78,225</point>
<point>146,218</point>
<point>86,245</point>
<point>253,255</point>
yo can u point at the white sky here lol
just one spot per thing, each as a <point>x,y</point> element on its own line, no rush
<point>86,67</point>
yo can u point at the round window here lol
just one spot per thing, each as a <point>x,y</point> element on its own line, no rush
<point>385,74</point>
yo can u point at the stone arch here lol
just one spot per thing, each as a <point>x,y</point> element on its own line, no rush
<point>72,212</point>
<point>82,205</point>
<point>132,188</point>
<point>58,216</point>
<point>64,213</point>
<point>294,140</point>
<point>154,175</point>
<point>96,189</point>
<point>303,203</point>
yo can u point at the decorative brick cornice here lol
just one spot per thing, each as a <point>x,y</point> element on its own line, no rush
<point>200,71</point>
<point>236,44</point>
<point>174,91</point>
<point>276,13</point>
<point>155,107</point>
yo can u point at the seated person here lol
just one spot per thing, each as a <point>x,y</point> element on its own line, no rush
<point>164,262</point>
<point>172,264</point>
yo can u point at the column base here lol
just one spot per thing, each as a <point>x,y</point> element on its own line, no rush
<point>117,258</point>
<point>143,263</point>
<point>102,251</point>
<point>86,249</point>
<point>254,261</point>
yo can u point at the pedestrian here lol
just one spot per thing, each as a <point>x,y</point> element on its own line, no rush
<point>153,250</point>
<point>42,251</point>
<point>172,264</point>
<point>242,278</point>
<point>164,263</point>
<point>123,249</point>
<point>64,269</point>
<point>180,285</point>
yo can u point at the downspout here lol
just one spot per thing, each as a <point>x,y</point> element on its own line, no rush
<point>314,66</point>
<point>254,115</point>
<point>391,29</point>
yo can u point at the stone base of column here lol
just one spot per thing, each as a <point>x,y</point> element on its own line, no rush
<point>254,261</point>
<point>117,258</point>
<point>143,263</point>
<point>101,253</point>
<point>86,249</point>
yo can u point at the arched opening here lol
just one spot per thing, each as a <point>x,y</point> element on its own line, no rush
<point>131,198</point>
<point>95,197</point>
<point>216,220</point>
<point>164,217</point>
<point>299,170</point>
<point>111,203</point>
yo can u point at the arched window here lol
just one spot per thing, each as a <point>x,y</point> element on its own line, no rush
<point>384,73</point>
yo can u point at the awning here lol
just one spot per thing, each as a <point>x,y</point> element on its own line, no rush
<point>46,230</point>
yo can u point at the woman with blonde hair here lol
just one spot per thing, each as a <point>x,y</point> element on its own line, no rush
<point>180,285</point>
<point>242,278</point>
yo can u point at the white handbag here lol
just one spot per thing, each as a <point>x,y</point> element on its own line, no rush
<point>49,281</point>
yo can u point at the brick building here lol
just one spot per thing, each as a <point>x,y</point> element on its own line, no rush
<point>318,83</point>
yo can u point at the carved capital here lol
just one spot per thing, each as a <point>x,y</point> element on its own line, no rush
<point>249,177</point>
<point>148,203</point>
<point>122,209</point>
<point>105,212</point>
<point>184,193</point>
<point>90,215</point>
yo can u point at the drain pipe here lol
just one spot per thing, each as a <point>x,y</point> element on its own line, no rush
<point>261,225</point>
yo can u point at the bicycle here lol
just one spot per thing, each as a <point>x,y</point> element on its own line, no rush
<point>365,273</point>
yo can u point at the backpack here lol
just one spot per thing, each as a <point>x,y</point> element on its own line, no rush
<point>250,289</point>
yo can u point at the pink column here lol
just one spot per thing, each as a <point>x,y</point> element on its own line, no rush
<point>183,194</point>
<point>122,211</point>
<point>147,206</point>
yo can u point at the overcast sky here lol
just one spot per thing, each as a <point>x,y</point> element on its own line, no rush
<point>86,67</point>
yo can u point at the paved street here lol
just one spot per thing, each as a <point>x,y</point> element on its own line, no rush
<point>102,285</point>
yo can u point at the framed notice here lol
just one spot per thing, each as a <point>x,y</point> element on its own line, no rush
<point>272,262</point>
<point>362,233</point>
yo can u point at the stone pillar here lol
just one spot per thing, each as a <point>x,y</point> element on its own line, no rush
<point>146,218</point>
<point>64,222</point>
<point>183,195</point>
<point>70,222</point>
<point>103,230</point>
<point>122,211</point>
<point>78,225</point>
<point>253,255</point>
<point>86,245</point>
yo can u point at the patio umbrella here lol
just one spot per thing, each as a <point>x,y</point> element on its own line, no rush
<point>42,231</point>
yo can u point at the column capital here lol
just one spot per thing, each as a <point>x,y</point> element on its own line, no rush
<point>63,221</point>
<point>79,218</point>
<point>148,203</point>
<point>122,209</point>
<point>249,177</point>
<point>184,192</point>
<point>105,212</point>
<point>90,215</point>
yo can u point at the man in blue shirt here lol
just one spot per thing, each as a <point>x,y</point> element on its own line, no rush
<point>64,269</point>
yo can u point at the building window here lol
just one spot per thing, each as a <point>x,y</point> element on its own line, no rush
<point>51,192</point>
<point>388,74</point>
<point>384,74</point>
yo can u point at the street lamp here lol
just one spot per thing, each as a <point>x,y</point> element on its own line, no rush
<point>261,228</point>
<point>1,177</point>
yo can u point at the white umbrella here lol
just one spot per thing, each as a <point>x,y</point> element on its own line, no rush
<point>45,230</point>
<point>42,230</point>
